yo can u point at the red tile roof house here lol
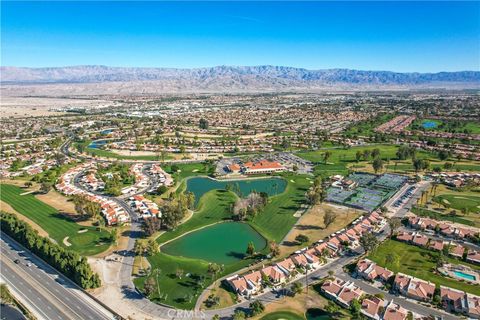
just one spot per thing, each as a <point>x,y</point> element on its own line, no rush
<point>394,311</point>
<point>373,307</point>
<point>369,270</point>
<point>275,275</point>
<point>454,300</point>
<point>400,283</point>
<point>420,240</point>
<point>473,256</point>
<point>446,230</point>
<point>405,236</point>
<point>420,290</point>
<point>473,306</point>
<point>241,286</point>
<point>456,250</point>
<point>305,261</point>
<point>349,293</point>
<point>324,249</point>
<point>254,278</point>
<point>436,245</point>
<point>287,266</point>
<point>332,287</point>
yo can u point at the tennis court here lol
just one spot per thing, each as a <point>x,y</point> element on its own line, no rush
<point>370,192</point>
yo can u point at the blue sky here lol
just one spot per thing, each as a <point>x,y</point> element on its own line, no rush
<point>397,36</point>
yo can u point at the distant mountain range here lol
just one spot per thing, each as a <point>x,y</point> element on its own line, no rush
<point>223,78</point>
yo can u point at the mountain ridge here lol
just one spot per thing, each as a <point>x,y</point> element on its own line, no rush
<point>101,73</point>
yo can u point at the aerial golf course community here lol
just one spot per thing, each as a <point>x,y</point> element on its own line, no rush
<point>222,235</point>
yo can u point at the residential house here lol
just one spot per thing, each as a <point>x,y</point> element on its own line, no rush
<point>454,300</point>
<point>369,270</point>
<point>394,311</point>
<point>373,307</point>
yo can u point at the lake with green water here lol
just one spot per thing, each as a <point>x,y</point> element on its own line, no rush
<point>222,243</point>
<point>201,185</point>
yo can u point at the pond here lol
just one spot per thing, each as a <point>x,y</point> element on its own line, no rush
<point>317,314</point>
<point>201,185</point>
<point>222,243</point>
<point>429,124</point>
<point>96,144</point>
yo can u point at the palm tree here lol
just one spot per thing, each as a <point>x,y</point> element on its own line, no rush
<point>156,273</point>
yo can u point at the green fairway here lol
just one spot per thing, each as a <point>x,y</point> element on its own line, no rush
<point>211,243</point>
<point>340,158</point>
<point>421,263</point>
<point>276,219</point>
<point>57,226</point>
<point>459,202</point>
<point>283,315</point>
<point>186,170</point>
<point>446,125</point>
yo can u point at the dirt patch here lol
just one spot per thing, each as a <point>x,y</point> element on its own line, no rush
<point>7,208</point>
<point>59,202</point>
<point>82,231</point>
<point>226,297</point>
<point>311,224</point>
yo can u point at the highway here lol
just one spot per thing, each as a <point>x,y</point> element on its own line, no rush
<point>44,291</point>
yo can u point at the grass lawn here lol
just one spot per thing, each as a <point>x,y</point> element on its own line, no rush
<point>276,219</point>
<point>186,170</point>
<point>283,315</point>
<point>421,263</point>
<point>183,292</point>
<point>58,227</point>
<point>109,154</point>
<point>366,127</point>
<point>444,125</point>
<point>341,158</point>
<point>214,206</point>
<point>460,202</point>
<point>408,167</point>
<point>441,216</point>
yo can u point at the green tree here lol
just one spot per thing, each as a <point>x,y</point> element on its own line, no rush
<point>377,165</point>
<point>250,248</point>
<point>369,242</point>
<point>329,217</point>
<point>394,224</point>
<point>239,315</point>
<point>256,308</point>
<point>296,288</point>
<point>274,248</point>
<point>45,187</point>
<point>302,239</point>
<point>327,156</point>
<point>149,287</point>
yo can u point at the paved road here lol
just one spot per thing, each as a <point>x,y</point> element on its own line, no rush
<point>405,208</point>
<point>408,304</point>
<point>46,293</point>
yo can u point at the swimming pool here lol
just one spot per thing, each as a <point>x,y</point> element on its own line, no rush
<point>429,124</point>
<point>464,275</point>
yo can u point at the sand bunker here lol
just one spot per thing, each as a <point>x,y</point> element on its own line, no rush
<point>65,242</point>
